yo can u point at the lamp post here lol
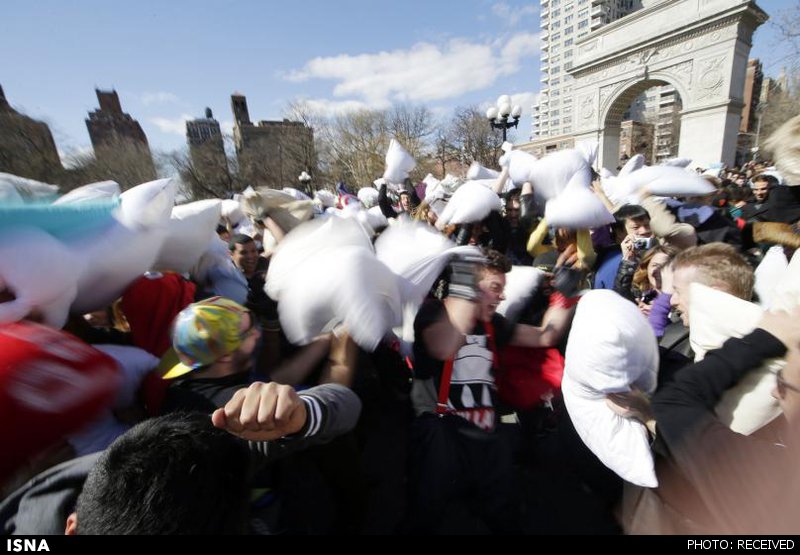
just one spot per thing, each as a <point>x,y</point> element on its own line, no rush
<point>304,179</point>
<point>500,116</point>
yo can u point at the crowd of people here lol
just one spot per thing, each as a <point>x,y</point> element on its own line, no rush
<point>227,425</point>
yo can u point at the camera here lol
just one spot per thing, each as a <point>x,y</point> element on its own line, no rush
<point>643,243</point>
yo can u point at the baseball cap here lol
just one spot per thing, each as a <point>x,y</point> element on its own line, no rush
<point>204,332</point>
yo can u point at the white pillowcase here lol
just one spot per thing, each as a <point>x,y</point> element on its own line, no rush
<point>399,163</point>
<point>191,228</point>
<point>41,272</point>
<point>368,196</point>
<point>13,187</point>
<point>522,282</point>
<point>114,258</point>
<point>769,273</point>
<point>611,347</point>
<point>102,190</point>
<point>577,208</point>
<point>471,203</point>
<point>717,316</point>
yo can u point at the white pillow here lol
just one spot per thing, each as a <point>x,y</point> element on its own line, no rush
<point>191,228</point>
<point>665,181</point>
<point>368,196</point>
<point>26,189</point>
<point>471,203</point>
<point>677,162</point>
<point>522,282</point>
<point>520,165</point>
<point>327,198</point>
<point>611,347</point>
<point>358,291</point>
<point>716,317</point>
<point>296,194</point>
<point>41,272</point>
<point>309,241</point>
<point>769,272</point>
<point>577,208</point>
<point>477,171</point>
<point>232,211</point>
<point>551,175</point>
<point>114,258</point>
<point>399,163</point>
<point>102,190</point>
<point>429,182</point>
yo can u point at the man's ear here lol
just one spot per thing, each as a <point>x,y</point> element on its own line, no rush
<point>72,525</point>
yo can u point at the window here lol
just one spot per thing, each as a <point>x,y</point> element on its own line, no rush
<point>582,2</point>
<point>583,13</point>
<point>583,24</point>
<point>554,113</point>
<point>568,42</point>
<point>556,37</point>
<point>569,19</point>
<point>567,65</point>
<point>555,69</point>
<point>555,13</point>
<point>568,30</point>
<point>554,103</point>
<point>567,120</point>
<point>555,25</point>
<point>554,122</point>
<point>568,53</point>
<point>555,48</point>
<point>568,7</point>
<point>554,82</point>
<point>554,94</point>
<point>554,59</point>
<point>567,100</point>
<point>583,34</point>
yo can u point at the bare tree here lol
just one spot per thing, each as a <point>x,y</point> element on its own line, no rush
<point>781,106</point>
<point>122,161</point>
<point>471,134</point>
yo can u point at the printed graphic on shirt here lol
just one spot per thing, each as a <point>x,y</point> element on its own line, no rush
<point>472,388</point>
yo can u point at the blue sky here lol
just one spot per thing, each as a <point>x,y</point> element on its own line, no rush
<point>168,60</point>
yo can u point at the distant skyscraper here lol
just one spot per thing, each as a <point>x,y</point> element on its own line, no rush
<point>207,151</point>
<point>271,153</point>
<point>27,147</point>
<point>118,139</point>
<point>563,22</point>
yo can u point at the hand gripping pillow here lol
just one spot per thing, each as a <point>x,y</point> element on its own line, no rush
<point>41,273</point>
<point>51,384</point>
<point>717,316</point>
<point>358,291</point>
<point>522,282</point>
<point>126,249</point>
<point>102,190</point>
<point>399,163</point>
<point>471,203</point>
<point>577,207</point>
<point>611,347</point>
<point>191,228</point>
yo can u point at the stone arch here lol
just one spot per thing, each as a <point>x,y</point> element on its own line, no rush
<point>620,98</point>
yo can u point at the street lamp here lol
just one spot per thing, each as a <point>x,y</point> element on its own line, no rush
<point>499,115</point>
<point>304,179</point>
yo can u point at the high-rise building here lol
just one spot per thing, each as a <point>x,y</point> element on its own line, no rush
<point>563,22</point>
<point>119,142</point>
<point>271,153</point>
<point>207,152</point>
<point>27,147</point>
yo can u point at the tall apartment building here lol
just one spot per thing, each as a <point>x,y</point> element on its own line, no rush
<point>207,151</point>
<point>119,142</point>
<point>563,22</point>
<point>271,153</point>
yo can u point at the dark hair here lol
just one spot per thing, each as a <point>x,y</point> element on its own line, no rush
<point>496,261</point>
<point>771,180</point>
<point>175,474</point>
<point>239,239</point>
<point>630,212</point>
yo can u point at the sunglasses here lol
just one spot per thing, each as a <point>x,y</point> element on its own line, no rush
<point>783,385</point>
